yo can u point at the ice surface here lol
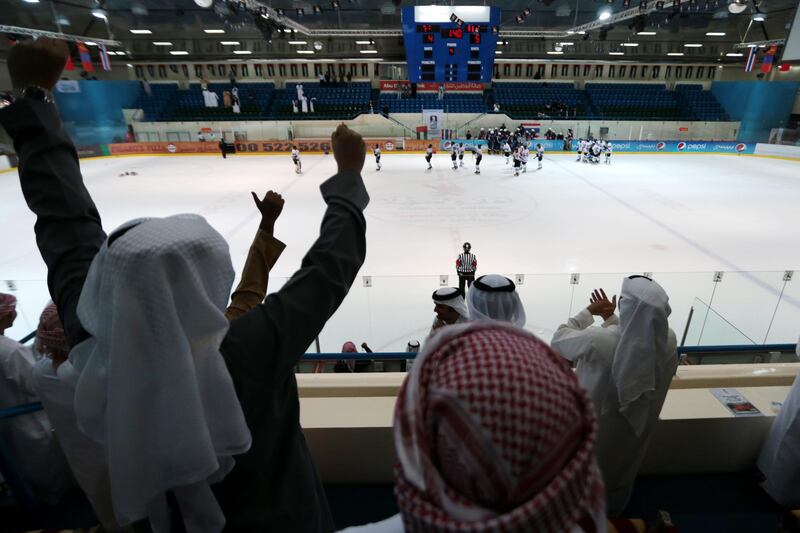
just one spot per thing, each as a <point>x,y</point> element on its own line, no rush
<point>679,216</point>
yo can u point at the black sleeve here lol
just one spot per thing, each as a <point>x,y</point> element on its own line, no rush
<point>68,229</point>
<point>267,342</point>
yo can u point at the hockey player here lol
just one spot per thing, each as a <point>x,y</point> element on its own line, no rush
<point>506,150</point>
<point>429,155</point>
<point>377,153</point>
<point>517,159</point>
<point>478,153</point>
<point>454,155</point>
<point>539,155</point>
<point>587,149</point>
<point>296,160</point>
<point>523,157</point>
<point>461,154</point>
<point>579,144</point>
<point>596,150</point>
<point>609,149</point>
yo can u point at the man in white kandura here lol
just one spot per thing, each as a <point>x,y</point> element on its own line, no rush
<point>494,297</point>
<point>635,385</point>
<point>450,308</point>
<point>779,458</point>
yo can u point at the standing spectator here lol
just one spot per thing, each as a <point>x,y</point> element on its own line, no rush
<point>349,79</point>
<point>468,135</point>
<point>311,104</point>
<point>273,486</point>
<point>28,439</point>
<point>399,90</point>
<point>201,137</point>
<point>299,88</point>
<point>130,137</point>
<point>227,101</point>
<point>223,148</point>
<point>466,264</point>
<point>295,109</point>
<point>496,107</point>
<point>322,80</point>
<point>146,87</point>
<point>469,458</point>
<point>327,78</point>
<point>441,91</point>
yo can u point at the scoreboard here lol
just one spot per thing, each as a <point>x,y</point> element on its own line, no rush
<point>450,43</point>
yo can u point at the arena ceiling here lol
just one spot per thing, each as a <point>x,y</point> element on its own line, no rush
<point>183,24</point>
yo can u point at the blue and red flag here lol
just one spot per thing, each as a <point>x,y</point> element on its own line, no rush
<point>769,57</point>
<point>86,59</point>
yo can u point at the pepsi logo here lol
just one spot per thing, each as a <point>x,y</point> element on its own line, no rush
<point>741,147</point>
<point>660,146</point>
<point>681,147</point>
<point>171,148</point>
<point>389,146</point>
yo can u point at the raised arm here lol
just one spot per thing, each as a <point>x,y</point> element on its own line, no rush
<point>68,229</point>
<point>262,256</point>
<point>266,343</point>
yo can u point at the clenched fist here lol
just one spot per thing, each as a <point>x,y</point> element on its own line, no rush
<point>38,62</point>
<point>348,149</point>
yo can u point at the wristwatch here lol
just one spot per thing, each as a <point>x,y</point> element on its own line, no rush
<point>35,92</point>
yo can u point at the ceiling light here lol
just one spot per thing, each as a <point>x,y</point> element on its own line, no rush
<point>368,51</point>
<point>179,52</point>
<point>141,32</point>
<point>604,15</point>
<point>305,51</point>
<point>675,54</point>
<point>498,52</point>
<point>100,13</point>
<point>616,53</point>
<point>363,42</point>
<point>162,43</point>
<point>759,17</point>
<point>557,48</point>
<point>737,6</point>
<point>90,43</point>
<point>31,1</point>
<point>556,53</point>
<point>566,44</point>
<point>734,54</point>
<point>230,43</point>
<point>581,33</point>
<point>692,45</point>
<point>214,31</point>
<point>715,34</point>
<point>630,44</point>
<point>242,52</point>
<point>130,66</point>
<point>646,33</point>
<point>298,42</point>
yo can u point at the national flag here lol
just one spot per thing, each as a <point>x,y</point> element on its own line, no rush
<point>86,59</point>
<point>751,59</point>
<point>104,61</point>
<point>784,67</point>
<point>766,63</point>
<point>69,65</point>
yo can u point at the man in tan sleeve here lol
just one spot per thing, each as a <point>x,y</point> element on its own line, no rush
<point>263,254</point>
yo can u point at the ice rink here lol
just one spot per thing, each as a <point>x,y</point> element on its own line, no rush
<point>680,217</point>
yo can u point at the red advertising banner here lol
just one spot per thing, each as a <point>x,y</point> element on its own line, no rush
<point>248,147</point>
<point>392,85</point>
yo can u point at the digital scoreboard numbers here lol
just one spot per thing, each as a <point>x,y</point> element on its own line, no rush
<point>439,49</point>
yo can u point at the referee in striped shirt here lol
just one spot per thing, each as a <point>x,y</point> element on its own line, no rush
<point>466,264</point>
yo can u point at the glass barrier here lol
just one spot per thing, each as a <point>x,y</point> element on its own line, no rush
<point>387,311</point>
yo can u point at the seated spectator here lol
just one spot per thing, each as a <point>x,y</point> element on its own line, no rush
<point>470,460</point>
<point>779,456</point>
<point>28,439</point>
<point>273,486</point>
<point>495,297</point>
<point>635,385</point>
<point>450,308</point>
<point>591,348</point>
<point>201,137</point>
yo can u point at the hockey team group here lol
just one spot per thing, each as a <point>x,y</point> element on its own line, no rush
<point>588,150</point>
